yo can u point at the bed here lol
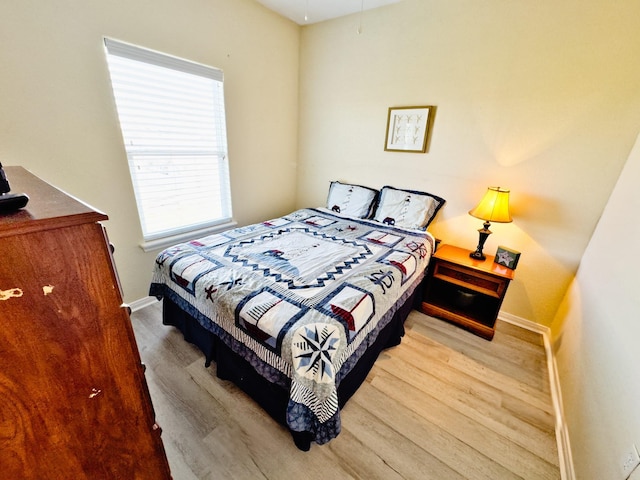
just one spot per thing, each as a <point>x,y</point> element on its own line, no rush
<point>296,309</point>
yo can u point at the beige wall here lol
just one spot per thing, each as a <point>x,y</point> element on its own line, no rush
<point>597,332</point>
<point>540,97</point>
<point>57,116</point>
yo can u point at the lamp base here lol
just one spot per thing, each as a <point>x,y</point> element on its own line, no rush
<point>483,234</point>
<point>478,255</point>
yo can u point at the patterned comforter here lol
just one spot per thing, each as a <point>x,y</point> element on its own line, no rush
<point>300,297</point>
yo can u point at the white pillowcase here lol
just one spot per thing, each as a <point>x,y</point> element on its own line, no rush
<point>351,200</point>
<point>407,208</point>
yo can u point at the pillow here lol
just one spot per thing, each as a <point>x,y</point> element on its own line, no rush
<point>352,200</point>
<point>407,208</point>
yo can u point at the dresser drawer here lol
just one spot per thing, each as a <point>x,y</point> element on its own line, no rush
<point>471,279</point>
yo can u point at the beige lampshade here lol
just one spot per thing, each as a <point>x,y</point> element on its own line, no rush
<point>494,206</point>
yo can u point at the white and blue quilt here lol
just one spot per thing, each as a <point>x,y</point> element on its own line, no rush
<point>299,297</point>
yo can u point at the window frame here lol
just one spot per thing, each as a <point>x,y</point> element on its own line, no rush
<point>216,149</point>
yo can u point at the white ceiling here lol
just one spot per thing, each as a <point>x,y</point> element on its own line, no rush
<point>320,10</point>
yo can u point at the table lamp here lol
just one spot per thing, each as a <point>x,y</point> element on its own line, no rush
<point>494,207</point>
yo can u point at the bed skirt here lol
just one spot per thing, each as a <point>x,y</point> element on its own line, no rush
<point>271,397</point>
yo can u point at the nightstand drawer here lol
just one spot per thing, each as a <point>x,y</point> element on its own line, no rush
<point>473,280</point>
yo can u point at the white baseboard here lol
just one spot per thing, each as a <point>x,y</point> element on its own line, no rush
<point>562,434</point>
<point>142,302</point>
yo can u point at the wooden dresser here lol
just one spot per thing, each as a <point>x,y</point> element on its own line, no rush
<point>74,401</point>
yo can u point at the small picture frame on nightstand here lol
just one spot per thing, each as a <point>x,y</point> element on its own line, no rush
<point>507,257</point>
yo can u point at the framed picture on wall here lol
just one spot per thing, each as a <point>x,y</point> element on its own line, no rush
<point>408,129</point>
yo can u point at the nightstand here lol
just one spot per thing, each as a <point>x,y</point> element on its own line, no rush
<point>465,291</point>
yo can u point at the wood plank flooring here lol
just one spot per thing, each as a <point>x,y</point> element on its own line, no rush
<point>445,404</point>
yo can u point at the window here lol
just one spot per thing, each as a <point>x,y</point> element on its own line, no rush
<point>172,118</point>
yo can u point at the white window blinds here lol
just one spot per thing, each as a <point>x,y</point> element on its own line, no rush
<point>172,119</point>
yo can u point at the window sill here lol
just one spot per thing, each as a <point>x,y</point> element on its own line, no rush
<point>165,242</point>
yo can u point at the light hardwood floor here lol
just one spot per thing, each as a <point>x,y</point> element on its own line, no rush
<point>443,405</point>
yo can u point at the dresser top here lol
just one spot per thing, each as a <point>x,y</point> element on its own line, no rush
<point>48,207</point>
